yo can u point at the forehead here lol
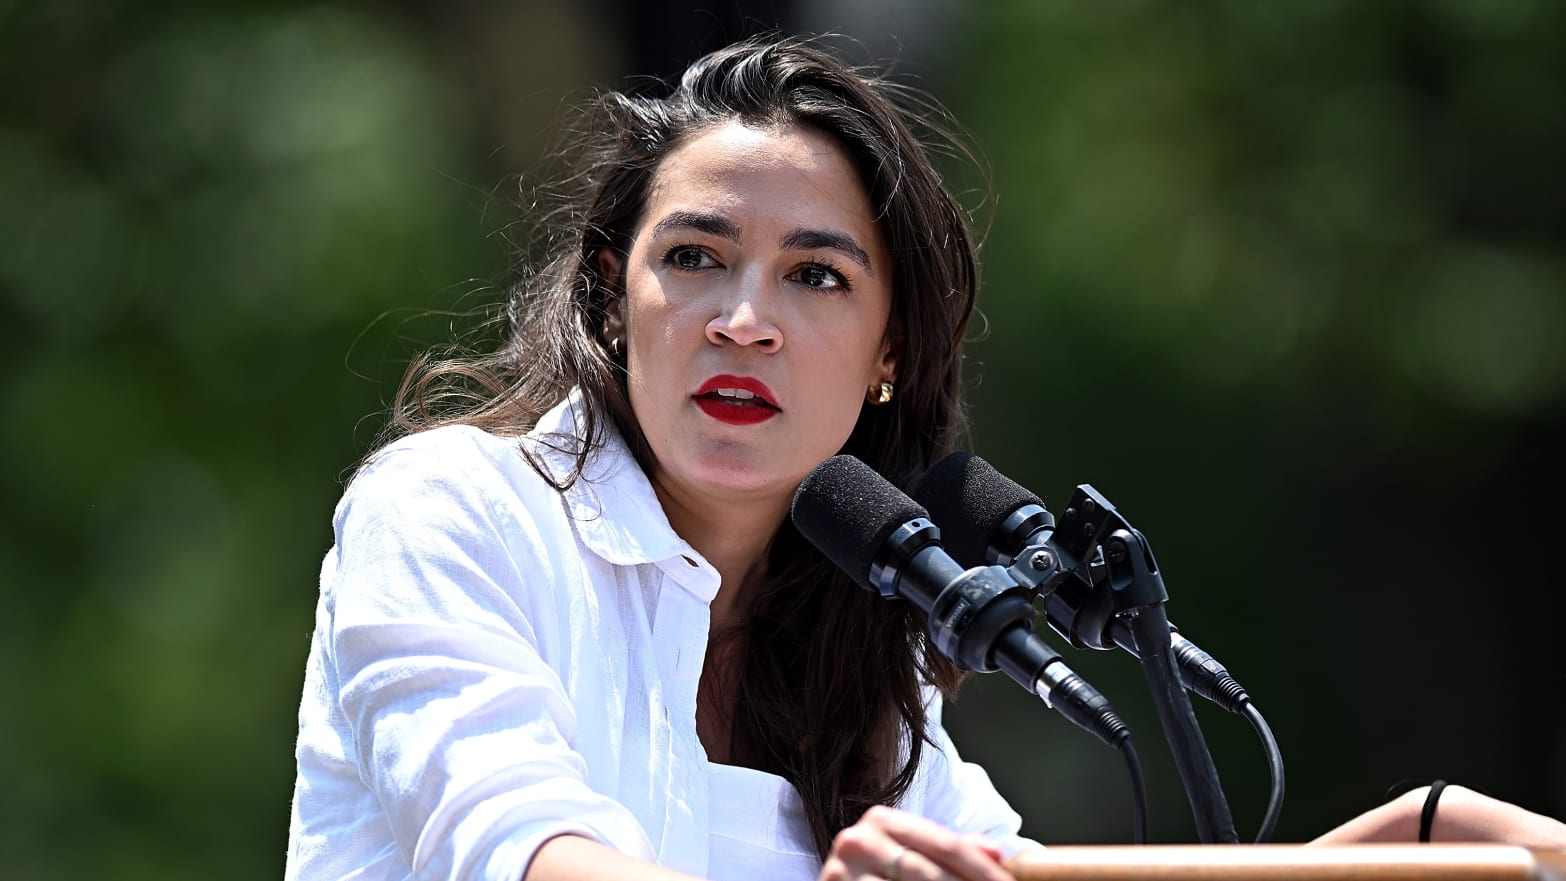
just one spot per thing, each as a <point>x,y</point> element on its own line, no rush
<point>793,175</point>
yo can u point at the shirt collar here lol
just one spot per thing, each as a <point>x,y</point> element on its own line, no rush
<point>613,507</point>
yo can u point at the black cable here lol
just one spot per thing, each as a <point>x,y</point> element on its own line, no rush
<point>1274,765</point>
<point>1427,815</point>
<point>1138,791</point>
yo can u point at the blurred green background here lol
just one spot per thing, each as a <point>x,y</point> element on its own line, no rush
<point>1285,281</point>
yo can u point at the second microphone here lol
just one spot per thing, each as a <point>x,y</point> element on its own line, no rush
<point>981,618</point>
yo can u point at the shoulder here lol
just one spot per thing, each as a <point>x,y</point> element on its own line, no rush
<point>449,519</point>
<point>450,447</point>
<point>453,472</point>
<point>461,478</point>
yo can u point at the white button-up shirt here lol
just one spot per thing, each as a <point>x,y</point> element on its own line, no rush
<point>496,663</point>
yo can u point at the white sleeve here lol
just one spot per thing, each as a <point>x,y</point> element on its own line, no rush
<point>459,727</point>
<point>959,794</point>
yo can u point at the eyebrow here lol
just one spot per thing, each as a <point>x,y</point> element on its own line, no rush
<point>794,240</point>
<point>701,221</point>
<point>829,240</point>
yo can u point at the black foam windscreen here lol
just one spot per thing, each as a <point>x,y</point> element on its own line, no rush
<point>968,499</point>
<point>847,511</point>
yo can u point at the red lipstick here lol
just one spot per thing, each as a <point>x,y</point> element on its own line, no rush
<point>737,400</point>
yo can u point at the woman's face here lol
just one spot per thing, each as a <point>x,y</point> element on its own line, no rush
<point>757,294</point>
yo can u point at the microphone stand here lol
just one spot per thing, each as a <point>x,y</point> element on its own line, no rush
<point>1096,544</point>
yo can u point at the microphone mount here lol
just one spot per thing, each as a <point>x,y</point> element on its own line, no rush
<point>967,609</point>
<point>982,618</point>
<point>1099,582</point>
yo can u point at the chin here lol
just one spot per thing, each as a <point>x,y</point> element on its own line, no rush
<point>734,479</point>
<point>727,473</point>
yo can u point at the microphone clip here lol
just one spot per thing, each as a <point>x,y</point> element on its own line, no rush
<point>1067,563</point>
<point>966,610</point>
<point>1090,527</point>
<point>901,546</point>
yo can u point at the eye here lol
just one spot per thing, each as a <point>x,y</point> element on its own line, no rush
<point>823,277</point>
<point>689,258</point>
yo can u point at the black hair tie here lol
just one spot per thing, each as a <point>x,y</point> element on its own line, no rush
<point>1427,816</point>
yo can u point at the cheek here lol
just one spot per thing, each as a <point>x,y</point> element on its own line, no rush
<point>840,376</point>
<point>854,351</point>
<point>647,324</point>
<point>654,329</point>
<point>652,314</point>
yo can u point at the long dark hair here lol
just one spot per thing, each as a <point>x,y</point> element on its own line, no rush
<point>829,685</point>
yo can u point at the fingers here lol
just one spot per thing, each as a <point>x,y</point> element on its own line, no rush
<point>914,866</point>
<point>898,846</point>
<point>894,866</point>
<point>982,842</point>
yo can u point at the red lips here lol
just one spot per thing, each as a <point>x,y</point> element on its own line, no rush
<point>737,400</point>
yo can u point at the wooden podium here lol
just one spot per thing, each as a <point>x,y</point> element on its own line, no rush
<point>1291,862</point>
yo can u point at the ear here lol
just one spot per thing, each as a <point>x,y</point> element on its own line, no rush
<point>611,273</point>
<point>891,356</point>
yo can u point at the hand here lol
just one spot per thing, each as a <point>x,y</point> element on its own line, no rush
<point>1461,815</point>
<point>898,846</point>
<point>1465,815</point>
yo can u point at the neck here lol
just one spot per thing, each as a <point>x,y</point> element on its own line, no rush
<point>733,537</point>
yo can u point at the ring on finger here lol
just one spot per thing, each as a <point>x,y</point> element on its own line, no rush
<point>891,865</point>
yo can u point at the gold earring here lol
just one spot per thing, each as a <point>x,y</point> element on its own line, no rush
<point>879,394</point>
<point>614,346</point>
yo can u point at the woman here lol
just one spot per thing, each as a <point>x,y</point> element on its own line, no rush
<point>567,631</point>
<point>602,645</point>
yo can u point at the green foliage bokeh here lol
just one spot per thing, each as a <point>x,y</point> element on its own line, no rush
<point>1284,280</point>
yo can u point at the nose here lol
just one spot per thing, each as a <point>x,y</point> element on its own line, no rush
<point>745,317</point>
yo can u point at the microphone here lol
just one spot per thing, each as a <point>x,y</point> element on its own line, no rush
<point>990,518</point>
<point>980,618</point>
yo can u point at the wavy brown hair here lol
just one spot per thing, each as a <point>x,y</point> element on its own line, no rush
<point>829,685</point>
